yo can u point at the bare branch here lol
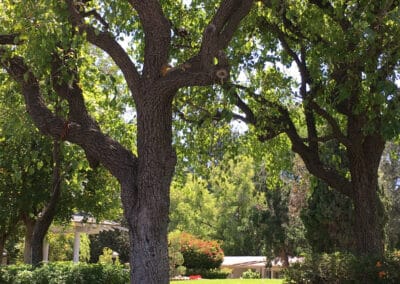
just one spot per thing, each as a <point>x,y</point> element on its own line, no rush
<point>191,76</point>
<point>322,139</point>
<point>249,114</point>
<point>73,94</point>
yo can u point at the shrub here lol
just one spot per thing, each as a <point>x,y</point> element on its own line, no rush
<point>249,274</point>
<point>116,240</point>
<point>9,273</point>
<point>175,256</point>
<point>345,268</point>
<point>65,273</point>
<point>200,254</point>
<point>108,258</point>
<point>210,273</point>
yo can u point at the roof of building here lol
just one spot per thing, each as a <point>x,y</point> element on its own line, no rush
<point>254,261</point>
<point>86,224</point>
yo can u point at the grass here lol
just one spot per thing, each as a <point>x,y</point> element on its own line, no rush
<point>231,281</point>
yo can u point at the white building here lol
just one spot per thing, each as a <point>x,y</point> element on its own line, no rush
<point>240,264</point>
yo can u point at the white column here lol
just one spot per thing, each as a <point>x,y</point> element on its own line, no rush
<point>272,274</point>
<point>77,243</point>
<point>46,246</point>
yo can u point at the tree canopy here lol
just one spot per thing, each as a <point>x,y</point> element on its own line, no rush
<point>205,62</point>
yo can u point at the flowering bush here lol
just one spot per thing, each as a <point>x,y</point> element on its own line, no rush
<point>200,254</point>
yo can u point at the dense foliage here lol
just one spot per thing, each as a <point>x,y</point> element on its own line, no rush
<point>328,220</point>
<point>206,63</point>
<point>200,254</point>
<point>116,240</point>
<point>345,268</point>
<point>64,273</point>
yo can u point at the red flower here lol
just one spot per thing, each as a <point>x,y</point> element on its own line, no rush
<point>382,274</point>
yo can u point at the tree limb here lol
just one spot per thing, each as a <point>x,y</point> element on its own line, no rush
<point>109,152</point>
<point>107,43</point>
<point>157,31</point>
<point>200,69</point>
<point>332,122</point>
<point>309,156</point>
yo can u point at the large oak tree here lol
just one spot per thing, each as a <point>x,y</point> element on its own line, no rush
<point>144,178</point>
<point>347,55</point>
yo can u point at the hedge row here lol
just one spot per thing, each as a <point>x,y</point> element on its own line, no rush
<point>215,273</point>
<point>64,273</point>
<point>345,268</point>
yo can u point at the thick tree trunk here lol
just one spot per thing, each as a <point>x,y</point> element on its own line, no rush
<point>369,213</point>
<point>147,206</point>
<point>284,258</point>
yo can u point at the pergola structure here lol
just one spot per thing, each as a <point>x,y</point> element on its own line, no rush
<point>80,224</point>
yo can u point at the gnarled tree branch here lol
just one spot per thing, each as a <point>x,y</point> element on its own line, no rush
<point>107,43</point>
<point>109,152</point>
<point>284,124</point>
<point>157,31</point>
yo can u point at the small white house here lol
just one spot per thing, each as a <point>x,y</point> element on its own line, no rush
<point>240,264</point>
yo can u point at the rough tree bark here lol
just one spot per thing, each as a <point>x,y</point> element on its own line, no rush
<point>145,179</point>
<point>369,212</point>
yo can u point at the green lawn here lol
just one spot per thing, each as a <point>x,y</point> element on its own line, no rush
<point>231,281</point>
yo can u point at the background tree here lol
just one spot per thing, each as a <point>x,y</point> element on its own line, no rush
<point>277,218</point>
<point>33,183</point>
<point>26,177</point>
<point>329,215</point>
<point>232,185</point>
<point>193,208</point>
<point>52,27</point>
<point>329,220</point>
<point>347,54</point>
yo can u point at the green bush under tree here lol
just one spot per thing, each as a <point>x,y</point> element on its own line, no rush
<point>250,274</point>
<point>341,267</point>
<point>64,273</point>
